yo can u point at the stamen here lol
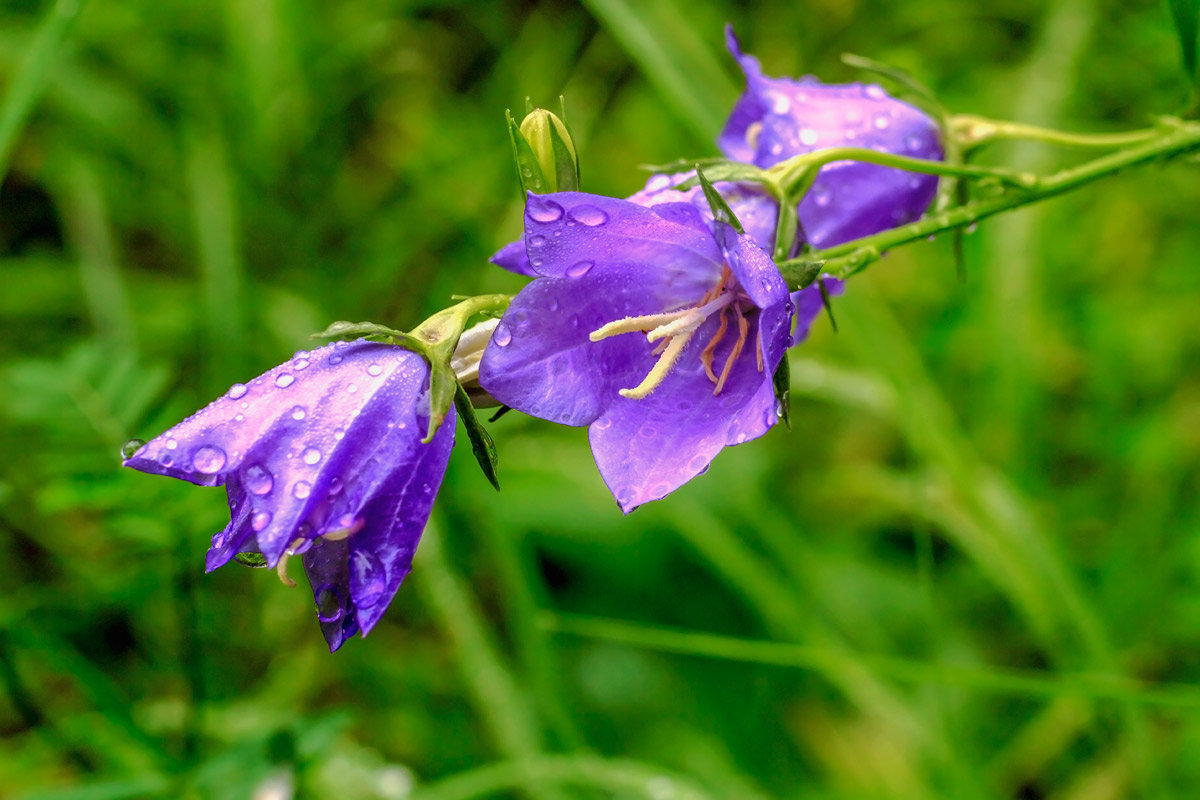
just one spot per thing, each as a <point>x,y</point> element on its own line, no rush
<point>758,350</point>
<point>706,356</point>
<point>281,567</point>
<point>344,533</point>
<point>636,324</point>
<point>689,321</point>
<point>743,332</point>
<point>658,348</point>
<point>661,368</point>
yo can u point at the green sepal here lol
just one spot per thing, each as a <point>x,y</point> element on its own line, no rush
<point>481,441</point>
<point>500,412</point>
<point>725,171</point>
<point>786,227</point>
<point>825,301</point>
<point>1186,16</point>
<point>529,171</point>
<point>783,391</point>
<point>566,178</point>
<point>366,330</point>
<point>253,560</point>
<point>720,209</point>
<point>811,271</point>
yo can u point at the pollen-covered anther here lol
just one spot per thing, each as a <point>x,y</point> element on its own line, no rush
<point>345,533</point>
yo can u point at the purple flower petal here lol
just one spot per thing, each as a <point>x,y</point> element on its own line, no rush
<point>320,455</point>
<point>809,305</point>
<point>514,258</point>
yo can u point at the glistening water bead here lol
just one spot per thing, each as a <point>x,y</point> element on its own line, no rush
<point>131,447</point>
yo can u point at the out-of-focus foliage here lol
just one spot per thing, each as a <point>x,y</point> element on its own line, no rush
<point>984,477</point>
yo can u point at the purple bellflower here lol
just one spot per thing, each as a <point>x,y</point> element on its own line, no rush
<point>656,327</point>
<point>321,457</point>
<point>778,118</point>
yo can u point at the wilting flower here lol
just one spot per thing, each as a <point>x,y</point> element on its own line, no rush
<point>778,118</point>
<point>658,329</point>
<point>321,457</point>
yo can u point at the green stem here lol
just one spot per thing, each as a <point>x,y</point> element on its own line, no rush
<point>973,131</point>
<point>846,259</point>
<point>798,168</point>
<point>620,777</point>
<point>832,661</point>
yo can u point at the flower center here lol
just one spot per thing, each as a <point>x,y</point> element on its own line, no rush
<point>674,329</point>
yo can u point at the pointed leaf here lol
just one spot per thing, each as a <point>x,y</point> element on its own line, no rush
<point>481,441</point>
<point>1186,16</point>
<point>783,391</point>
<point>529,172</point>
<point>720,209</point>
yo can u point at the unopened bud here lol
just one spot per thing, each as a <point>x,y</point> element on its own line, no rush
<point>544,152</point>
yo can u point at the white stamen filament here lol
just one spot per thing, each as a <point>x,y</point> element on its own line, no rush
<point>690,321</point>
<point>636,324</point>
<point>661,368</point>
<point>281,567</point>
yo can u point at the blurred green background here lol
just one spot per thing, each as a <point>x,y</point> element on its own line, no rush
<point>975,560</point>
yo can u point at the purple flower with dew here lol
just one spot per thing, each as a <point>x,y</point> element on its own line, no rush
<point>655,327</point>
<point>777,118</point>
<point>322,458</point>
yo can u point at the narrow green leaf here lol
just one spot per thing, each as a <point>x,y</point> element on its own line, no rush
<point>787,225</point>
<point>500,412</point>
<point>343,329</point>
<point>565,163</point>
<point>1186,16</point>
<point>481,441</point>
<point>783,391</point>
<point>825,301</point>
<point>720,209</point>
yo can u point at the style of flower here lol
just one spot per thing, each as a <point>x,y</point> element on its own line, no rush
<point>778,118</point>
<point>321,458</point>
<point>656,327</point>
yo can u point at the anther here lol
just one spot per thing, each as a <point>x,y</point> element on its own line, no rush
<point>743,332</point>
<point>636,324</point>
<point>345,533</point>
<point>661,368</point>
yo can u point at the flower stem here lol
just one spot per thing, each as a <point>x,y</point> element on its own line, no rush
<point>797,168</point>
<point>846,259</point>
<point>974,131</point>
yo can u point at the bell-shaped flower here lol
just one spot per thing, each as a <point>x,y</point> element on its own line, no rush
<point>322,458</point>
<point>656,327</point>
<point>778,118</point>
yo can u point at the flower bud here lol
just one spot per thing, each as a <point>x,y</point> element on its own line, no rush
<point>544,152</point>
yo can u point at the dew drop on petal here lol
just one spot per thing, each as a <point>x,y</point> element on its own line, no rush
<point>780,103</point>
<point>698,463</point>
<point>502,335</point>
<point>131,447</point>
<point>542,210</point>
<point>881,121</point>
<point>335,486</point>
<point>626,496</point>
<point>257,479</point>
<point>553,304</point>
<point>536,240</point>
<point>311,456</point>
<point>368,576</point>
<point>335,359</point>
<point>769,418</point>
<point>285,380</point>
<point>166,460</point>
<point>208,459</point>
<point>338,433</point>
<point>237,391</point>
<point>579,269</point>
<point>821,197</point>
<point>875,93</point>
<point>301,489</point>
<point>299,412</point>
<point>300,363</point>
<point>260,520</point>
<point>330,607</point>
<point>808,136</point>
<point>604,423</point>
<point>171,444</point>
<point>374,369</point>
<point>588,215</point>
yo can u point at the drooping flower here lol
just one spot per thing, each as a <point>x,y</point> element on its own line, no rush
<point>657,328</point>
<point>321,457</point>
<point>778,118</point>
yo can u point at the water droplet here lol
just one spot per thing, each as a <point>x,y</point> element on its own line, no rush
<point>260,520</point>
<point>338,433</point>
<point>237,391</point>
<point>588,215</point>
<point>914,143</point>
<point>239,417</point>
<point>780,104</point>
<point>208,459</point>
<point>648,431</point>
<point>300,363</point>
<point>329,603</point>
<point>131,447</point>
<point>626,496</point>
<point>657,182</point>
<point>165,459</point>
<point>299,412</point>
<point>542,210</point>
<point>301,490</point>
<point>659,491</point>
<point>368,578</point>
<point>915,183</point>
<point>698,463</point>
<point>553,304</point>
<point>335,359</point>
<point>352,388</point>
<point>821,197</point>
<point>335,486</point>
<point>285,380</point>
<point>171,444</point>
<point>881,121</point>
<point>769,418</point>
<point>374,369</point>
<point>851,134</point>
<point>502,335</point>
<point>311,456</point>
<point>974,226</point>
<point>602,424</point>
<point>257,479</point>
<point>580,269</point>
<point>537,240</point>
<point>766,283</point>
<point>875,93</point>
<point>808,136</point>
